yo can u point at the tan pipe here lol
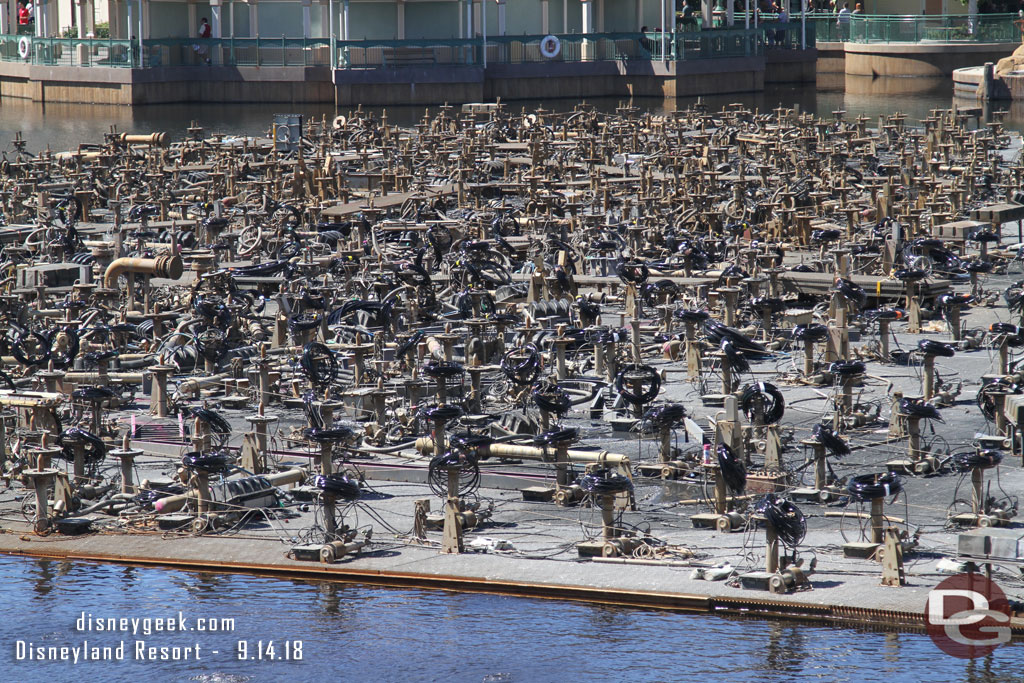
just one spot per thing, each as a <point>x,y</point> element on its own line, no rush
<point>159,139</point>
<point>168,266</point>
<point>77,377</point>
<point>194,386</point>
<point>175,503</point>
<point>425,445</point>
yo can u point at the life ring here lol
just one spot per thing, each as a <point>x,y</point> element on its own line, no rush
<point>339,122</point>
<point>24,47</point>
<point>550,46</point>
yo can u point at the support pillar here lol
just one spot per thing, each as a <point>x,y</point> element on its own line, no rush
<point>877,519</point>
<point>771,559</point>
<point>501,17</point>
<point>215,22</point>
<point>254,19</point>
<point>306,20</point>
<point>400,19</point>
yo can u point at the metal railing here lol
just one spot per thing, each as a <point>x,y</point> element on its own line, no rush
<point>69,51</point>
<point>237,52</point>
<point>373,54</point>
<point>944,28</point>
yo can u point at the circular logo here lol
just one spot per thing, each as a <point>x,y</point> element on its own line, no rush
<point>968,616</point>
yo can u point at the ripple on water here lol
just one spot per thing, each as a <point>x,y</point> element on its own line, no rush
<point>360,632</point>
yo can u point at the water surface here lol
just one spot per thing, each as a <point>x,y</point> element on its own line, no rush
<point>359,632</point>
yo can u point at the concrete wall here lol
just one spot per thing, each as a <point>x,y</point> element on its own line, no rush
<point>906,60</point>
<point>831,57</point>
<point>896,59</point>
<point>790,66</point>
<point>414,85</point>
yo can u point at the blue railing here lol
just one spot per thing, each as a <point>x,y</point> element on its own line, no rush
<point>374,54</point>
<point>69,51</point>
<point>937,28</point>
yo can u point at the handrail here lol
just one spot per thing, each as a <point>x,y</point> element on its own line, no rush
<point>287,51</point>
<point>931,28</point>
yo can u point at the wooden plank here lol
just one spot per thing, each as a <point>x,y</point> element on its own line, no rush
<point>999,213</point>
<point>392,200</point>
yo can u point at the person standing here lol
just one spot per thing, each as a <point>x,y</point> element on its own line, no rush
<point>782,19</point>
<point>844,22</point>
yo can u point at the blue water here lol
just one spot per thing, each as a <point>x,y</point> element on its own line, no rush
<point>64,126</point>
<point>356,632</point>
<point>365,633</point>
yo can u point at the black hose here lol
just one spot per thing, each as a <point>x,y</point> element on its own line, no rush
<point>551,398</point>
<point>443,369</point>
<point>977,460</point>
<point>691,316</point>
<point>830,440</point>
<point>852,292</point>
<point>872,486</point>
<point>212,463</point>
<point>986,395</point>
<point>732,468</point>
<point>632,272</point>
<point>521,365</point>
<point>773,403</point>
<point>930,347</point>
<point>646,375</point>
<point>334,434</point>
<point>219,427</point>
<point>94,450</point>
<point>467,465</point>
<point>847,368</point>
<point>668,415</point>
<point>787,520</point>
<point>812,332</point>
<point>441,412</point>
<point>319,364</point>
<point>737,361</point>
<point>914,407</point>
<point>603,482</point>
<point>337,486</point>
<point>556,436</point>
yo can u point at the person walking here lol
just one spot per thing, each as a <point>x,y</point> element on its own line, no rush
<point>202,49</point>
